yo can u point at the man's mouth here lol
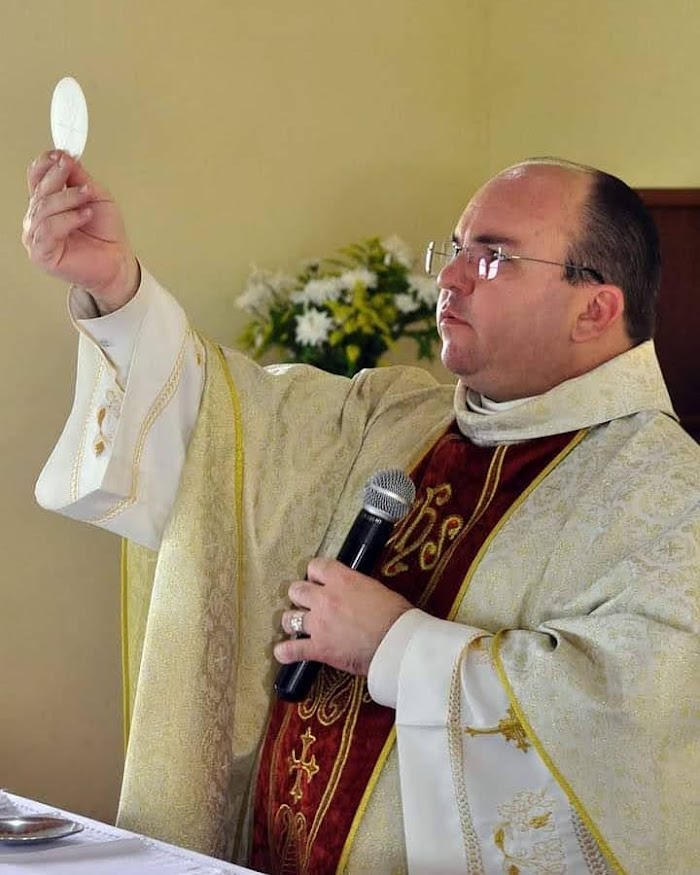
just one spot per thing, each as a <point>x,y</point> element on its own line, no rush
<point>449,317</point>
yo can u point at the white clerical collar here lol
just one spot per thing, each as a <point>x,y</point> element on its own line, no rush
<point>479,403</point>
<point>626,384</point>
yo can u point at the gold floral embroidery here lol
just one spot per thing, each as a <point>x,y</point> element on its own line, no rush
<point>509,727</point>
<point>527,836</point>
<point>291,837</point>
<point>332,695</point>
<point>106,417</point>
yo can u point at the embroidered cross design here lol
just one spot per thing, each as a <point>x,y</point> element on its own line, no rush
<point>302,766</point>
<point>509,727</point>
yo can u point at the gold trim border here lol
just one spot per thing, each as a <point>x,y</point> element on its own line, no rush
<point>364,802</point>
<point>561,455</point>
<point>470,836</point>
<point>238,505</point>
<point>126,686</point>
<point>238,484</point>
<point>158,405</point>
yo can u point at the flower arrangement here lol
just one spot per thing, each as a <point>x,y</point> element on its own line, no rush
<point>342,313</point>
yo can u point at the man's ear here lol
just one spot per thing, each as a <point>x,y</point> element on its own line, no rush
<point>604,308</point>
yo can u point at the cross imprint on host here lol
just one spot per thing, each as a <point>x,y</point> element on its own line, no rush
<point>71,120</point>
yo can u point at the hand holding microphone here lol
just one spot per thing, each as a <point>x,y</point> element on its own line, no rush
<point>349,614</point>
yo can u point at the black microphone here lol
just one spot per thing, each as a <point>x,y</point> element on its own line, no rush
<point>387,498</point>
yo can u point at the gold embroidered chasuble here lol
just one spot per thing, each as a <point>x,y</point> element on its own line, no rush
<point>596,574</point>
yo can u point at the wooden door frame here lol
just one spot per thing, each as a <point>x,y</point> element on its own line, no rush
<point>668,199</point>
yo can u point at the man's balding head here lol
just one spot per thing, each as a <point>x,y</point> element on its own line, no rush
<point>575,286</point>
<point>617,238</point>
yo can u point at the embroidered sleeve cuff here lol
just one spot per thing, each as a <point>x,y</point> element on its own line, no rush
<point>413,668</point>
<point>384,670</point>
<point>116,333</point>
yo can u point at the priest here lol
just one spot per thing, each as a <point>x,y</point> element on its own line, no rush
<point>514,688</point>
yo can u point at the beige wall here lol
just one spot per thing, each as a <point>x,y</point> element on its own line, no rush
<point>613,83</point>
<point>232,133</point>
<point>238,133</point>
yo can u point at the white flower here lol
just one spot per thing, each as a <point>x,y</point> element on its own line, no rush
<point>262,286</point>
<point>313,327</point>
<point>281,282</point>
<point>255,297</point>
<point>406,303</point>
<point>398,250</point>
<point>425,288</point>
<point>318,291</point>
<point>361,275</point>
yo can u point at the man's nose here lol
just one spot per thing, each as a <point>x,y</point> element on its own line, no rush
<point>457,276</point>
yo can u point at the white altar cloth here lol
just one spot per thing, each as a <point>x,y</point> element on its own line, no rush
<point>99,849</point>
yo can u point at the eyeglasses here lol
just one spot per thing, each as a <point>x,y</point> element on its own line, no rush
<point>487,259</point>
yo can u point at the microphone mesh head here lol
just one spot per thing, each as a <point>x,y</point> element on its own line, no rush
<point>389,494</point>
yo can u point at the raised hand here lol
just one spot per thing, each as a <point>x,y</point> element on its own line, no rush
<point>74,230</point>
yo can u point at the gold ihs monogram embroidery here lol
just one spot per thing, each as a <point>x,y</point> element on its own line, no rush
<point>422,532</point>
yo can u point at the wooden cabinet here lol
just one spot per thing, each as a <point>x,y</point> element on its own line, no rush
<point>677,215</point>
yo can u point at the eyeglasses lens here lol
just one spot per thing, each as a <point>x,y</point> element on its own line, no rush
<point>441,253</point>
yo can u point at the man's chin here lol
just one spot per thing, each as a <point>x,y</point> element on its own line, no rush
<point>458,362</point>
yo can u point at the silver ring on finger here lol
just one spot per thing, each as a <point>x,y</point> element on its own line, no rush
<point>296,622</point>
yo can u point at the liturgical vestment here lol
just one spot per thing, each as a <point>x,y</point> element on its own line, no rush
<point>577,617</point>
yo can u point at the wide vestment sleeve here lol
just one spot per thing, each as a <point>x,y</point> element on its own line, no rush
<point>273,476</point>
<point>248,508</point>
<point>609,686</point>
<point>584,612</point>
